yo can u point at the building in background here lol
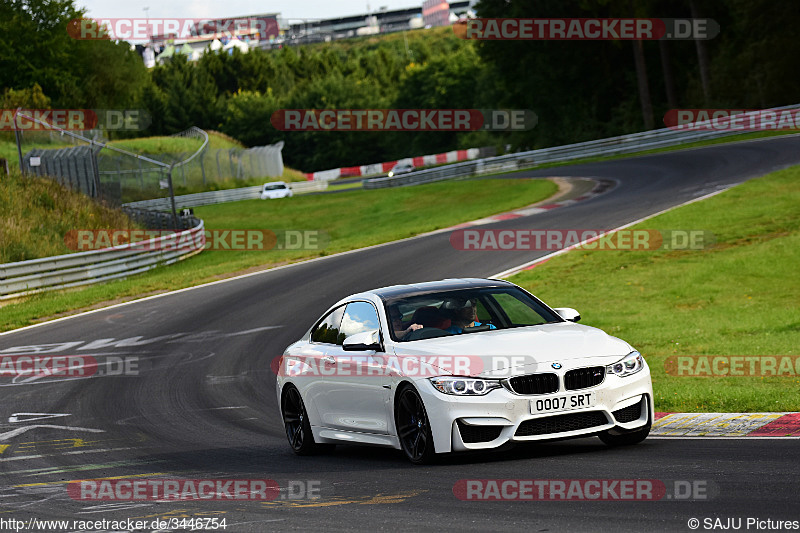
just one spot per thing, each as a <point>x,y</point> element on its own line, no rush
<point>435,13</point>
<point>306,31</point>
<point>225,34</point>
<point>269,31</point>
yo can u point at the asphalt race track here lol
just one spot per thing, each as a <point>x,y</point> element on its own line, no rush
<point>203,402</point>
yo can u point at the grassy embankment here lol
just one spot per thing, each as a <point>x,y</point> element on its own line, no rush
<point>737,297</point>
<point>348,220</point>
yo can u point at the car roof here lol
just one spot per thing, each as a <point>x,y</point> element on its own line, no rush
<point>415,289</point>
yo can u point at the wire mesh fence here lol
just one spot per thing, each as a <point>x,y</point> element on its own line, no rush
<point>211,167</point>
<point>134,170</point>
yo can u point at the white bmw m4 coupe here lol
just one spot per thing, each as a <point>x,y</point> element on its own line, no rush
<point>457,365</point>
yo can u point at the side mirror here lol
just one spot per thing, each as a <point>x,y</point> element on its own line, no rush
<point>568,313</point>
<point>366,340</point>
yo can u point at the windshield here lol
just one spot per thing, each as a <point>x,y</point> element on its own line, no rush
<point>274,187</point>
<point>461,312</point>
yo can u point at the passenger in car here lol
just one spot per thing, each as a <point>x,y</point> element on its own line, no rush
<point>400,328</point>
<point>431,317</point>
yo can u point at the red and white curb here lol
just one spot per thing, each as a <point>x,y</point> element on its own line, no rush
<point>726,425</point>
<point>379,168</point>
<point>600,187</point>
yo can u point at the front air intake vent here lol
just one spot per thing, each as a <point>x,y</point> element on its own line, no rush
<point>534,384</point>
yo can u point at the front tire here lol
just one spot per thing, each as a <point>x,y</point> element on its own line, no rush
<point>413,427</point>
<point>298,428</point>
<point>626,439</point>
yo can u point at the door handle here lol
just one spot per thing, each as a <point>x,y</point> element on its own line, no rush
<point>328,359</point>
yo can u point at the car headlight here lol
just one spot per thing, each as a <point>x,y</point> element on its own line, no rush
<point>458,386</point>
<point>391,174</point>
<point>628,365</point>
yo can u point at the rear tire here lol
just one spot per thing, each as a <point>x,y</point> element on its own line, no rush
<point>413,427</point>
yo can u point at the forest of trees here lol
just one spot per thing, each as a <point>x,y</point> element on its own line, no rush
<point>579,90</point>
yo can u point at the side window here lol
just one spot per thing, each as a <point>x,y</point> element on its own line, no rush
<point>484,316</point>
<point>358,317</point>
<point>328,330</point>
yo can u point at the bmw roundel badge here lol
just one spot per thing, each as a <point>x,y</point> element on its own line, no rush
<point>556,365</point>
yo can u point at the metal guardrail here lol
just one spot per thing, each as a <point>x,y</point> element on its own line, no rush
<point>84,268</point>
<point>223,196</point>
<point>623,144</point>
<point>159,220</point>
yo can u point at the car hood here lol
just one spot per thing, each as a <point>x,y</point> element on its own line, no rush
<point>507,352</point>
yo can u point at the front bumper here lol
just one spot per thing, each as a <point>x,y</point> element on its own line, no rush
<point>461,423</point>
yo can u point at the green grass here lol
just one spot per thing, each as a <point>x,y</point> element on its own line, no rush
<point>164,144</point>
<point>350,220</point>
<point>38,213</point>
<point>737,297</point>
<point>333,186</point>
<point>8,148</point>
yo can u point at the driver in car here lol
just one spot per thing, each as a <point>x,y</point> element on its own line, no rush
<point>466,317</point>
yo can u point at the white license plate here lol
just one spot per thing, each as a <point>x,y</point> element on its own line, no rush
<point>565,402</point>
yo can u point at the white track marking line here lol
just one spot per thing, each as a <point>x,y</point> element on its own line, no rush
<point>79,452</point>
<point>242,276</point>
<point>248,331</point>
<point>19,431</point>
<point>519,268</point>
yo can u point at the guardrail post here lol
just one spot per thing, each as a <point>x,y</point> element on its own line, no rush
<point>172,199</point>
<point>202,167</point>
<point>18,139</point>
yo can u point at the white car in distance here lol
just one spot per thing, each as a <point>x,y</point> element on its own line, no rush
<point>276,189</point>
<point>401,168</point>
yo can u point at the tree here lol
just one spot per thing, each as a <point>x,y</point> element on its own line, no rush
<point>33,98</point>
<point>36,48</point>
<point>247,116</point>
